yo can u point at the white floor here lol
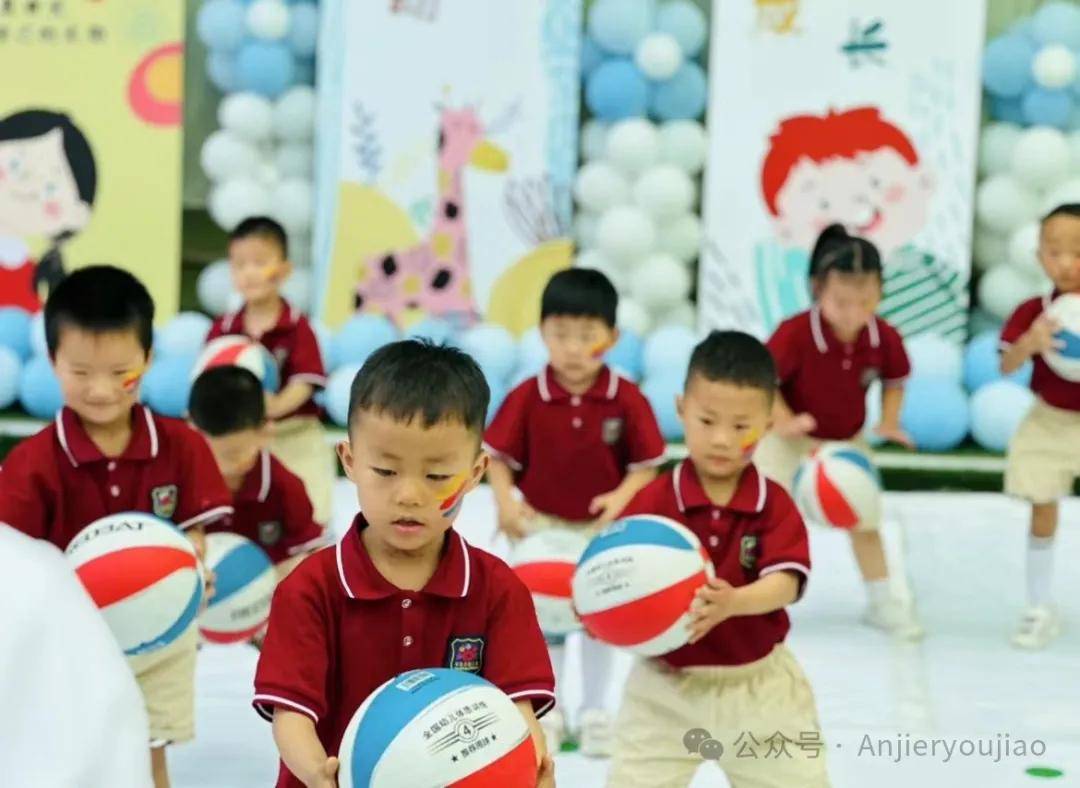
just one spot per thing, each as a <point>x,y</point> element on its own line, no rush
<point>964,554</point>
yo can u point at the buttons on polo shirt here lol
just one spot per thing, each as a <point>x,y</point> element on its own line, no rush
<point>114,491</point>
<point>847,363</point>
<point>716,514</point>
<point>407,641</point>
<point>577,423</point>
<point>406,603</point>
<point>714,541</point>
<point>112,466</point>
<point>575,401</point>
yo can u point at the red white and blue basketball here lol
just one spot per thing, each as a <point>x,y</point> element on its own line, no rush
<point>1065,358</point>
<point>634,585</point>
<point>437,727</point>
<point>839,486</point>
<point>243,587</point>
<point>239,351</point>
<point>545,561</point>
<point>143,574</point>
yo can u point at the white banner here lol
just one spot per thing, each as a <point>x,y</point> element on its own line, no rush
<point>827,111</point>
<point>447,148</point>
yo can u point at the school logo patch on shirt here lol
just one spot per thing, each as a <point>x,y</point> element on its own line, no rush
<point>466,654</point>
<point>270,533</point>
<point>611,431</point>
<point>869,375</point>
<point>164,500</point>
<point>748,552</point>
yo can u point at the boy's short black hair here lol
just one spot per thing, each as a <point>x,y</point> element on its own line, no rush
<point>1070,209</point>
<point>837,251</point>
<point>262,227</point>
<point>416,377</point>
<point>580,292</point>
<point>227,399</point>
<point>99,299</point>
<point>734,357</point>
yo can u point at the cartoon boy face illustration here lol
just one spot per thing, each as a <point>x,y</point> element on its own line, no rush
<point>39,196</point>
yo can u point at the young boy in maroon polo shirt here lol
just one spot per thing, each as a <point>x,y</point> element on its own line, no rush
<point>827,358</point>
<point>735,678</point>
<point>270,505</point>
<point>105,453</point>
<point>579,441</point>
<point>259,260</point>
<point>402,589</point>
<point>1044,455</point>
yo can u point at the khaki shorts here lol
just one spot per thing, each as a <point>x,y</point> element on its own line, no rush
<point>779,459</point>
<point>167,681</point>
<point>1044,455</point>
<point>300,444</point>
<point>760,717</point>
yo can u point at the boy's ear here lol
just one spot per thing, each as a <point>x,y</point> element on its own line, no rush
<point>679,403</point>
<point>480,466</point>
<point>345,456</point>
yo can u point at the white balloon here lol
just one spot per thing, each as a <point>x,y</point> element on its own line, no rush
<point>1004,288</point>
<point>682,314</point>
<point>659,56</point>
<point>237,199</point>
<point>599,186</point>
<point>268,174</point>
<point>1002,204</point>
<point>1054,66</point>
<point>585,225</point>
<point>665,191</point>
<point>684,144</point>
<point>248,115</point>
<point>1024,249</point>
<point>625,233</point>
<point>295,160</point>
<point>1062,194</point>
<point>294,114</point>
<point>297,289</point>
<point>1073,139</point>
<point>225,155</point>
<point>659,283</point>
<point>214,286</point>
<point>292,205</point>
<point>268,19</point>
<point>632,316</point>
<point>595,259</point>
<point>594,140</point>
<point>300,249</point>
<point>633,145</point>
<point>997,141</point>
<point>1041,158</point>
<point>990,249</point>
<point>681,237</point>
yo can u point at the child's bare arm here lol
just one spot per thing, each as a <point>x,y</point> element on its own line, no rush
<point>719,600</point>
<point>1037,339</point>
<point>288,399</point>
<point>302,751</point>
<point>512,512</point>
<point>787,423</point>
<point>545,776</point>
<point>609,506</point>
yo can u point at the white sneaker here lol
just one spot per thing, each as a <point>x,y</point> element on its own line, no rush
<point>1038,627</point>
<point>597,734</point>
<point>554,727</point>
<point>895,616</point>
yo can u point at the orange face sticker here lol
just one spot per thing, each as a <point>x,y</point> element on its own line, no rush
<point>272,271</point>
<point>599,349</point>
<point>749,443</point>
<point>132,379</point>
<point>452,494</point>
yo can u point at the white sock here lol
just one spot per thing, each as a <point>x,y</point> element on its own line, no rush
<point>1040,570</point>
<point>878,591</point>
<point>595,673</point>
<point>557,653</point>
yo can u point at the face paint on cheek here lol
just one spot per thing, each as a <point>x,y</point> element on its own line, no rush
<point>749,443</point>
<point>132,379</point>
<point>272,271</point>
<point>452,494</point>
<point>598,350</point>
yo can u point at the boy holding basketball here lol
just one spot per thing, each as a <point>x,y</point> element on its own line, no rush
<point>271,507</point>
<point>578,441</point>
<point>402,589</point>
<point>105,454</point>
<point>735,678</point>
<point>1044,459</point>
<point>259,260</point>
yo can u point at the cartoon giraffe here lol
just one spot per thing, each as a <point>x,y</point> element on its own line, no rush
<point>433,276</point>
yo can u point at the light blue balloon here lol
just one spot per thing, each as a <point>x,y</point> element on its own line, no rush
<point>532,354</point>
<point>39,390</point>
<point>494,349</point>
<point>166,386</point>
<point>1057,23</point>
<point>616,90</point>
<point>338,389</point>
<point>38,344</point>
<point>661,393</point>
<point>592,55</point>
<point>15,331</point>
<point>10,372</point>
<point>361,336</point>
<point>683,97</point>
<point>1009,110</point>
<point>933,356</point>
<point>439,331</point>
<point>1044,107</point>
<point>305,71</point>
<point>265,67</point>
<point>935,413</point>
<point>619,25</point>
<point>627,355</point>
<point>1007,65</point>
<point>184,335</point>
<point>686,22</point>
<point>997,409</point>
<point>303,34</point>
<point>667,353</point>
<point>220,24</point>
<point>982,363</point>
<point>221,68</point>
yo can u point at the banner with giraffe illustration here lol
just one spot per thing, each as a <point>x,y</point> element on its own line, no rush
<point>825,111</point>
<point>447,150</point>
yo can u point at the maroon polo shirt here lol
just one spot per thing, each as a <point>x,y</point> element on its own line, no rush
<point>272,509</point>
<point>1052,388</point>
<point>827,378</point>
<point>339,630</point>
<point>759,531</point>
<point>57,482</point>
<point>565,449</point>
<point>293,345</point>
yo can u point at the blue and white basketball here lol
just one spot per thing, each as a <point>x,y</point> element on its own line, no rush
<point>1065,359</point>
<point>143,574</point>
<point>838,485</point>
<point>635,582</point>
<point>437,727</point>
<point>239,351</point>
<point>243,587</point>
